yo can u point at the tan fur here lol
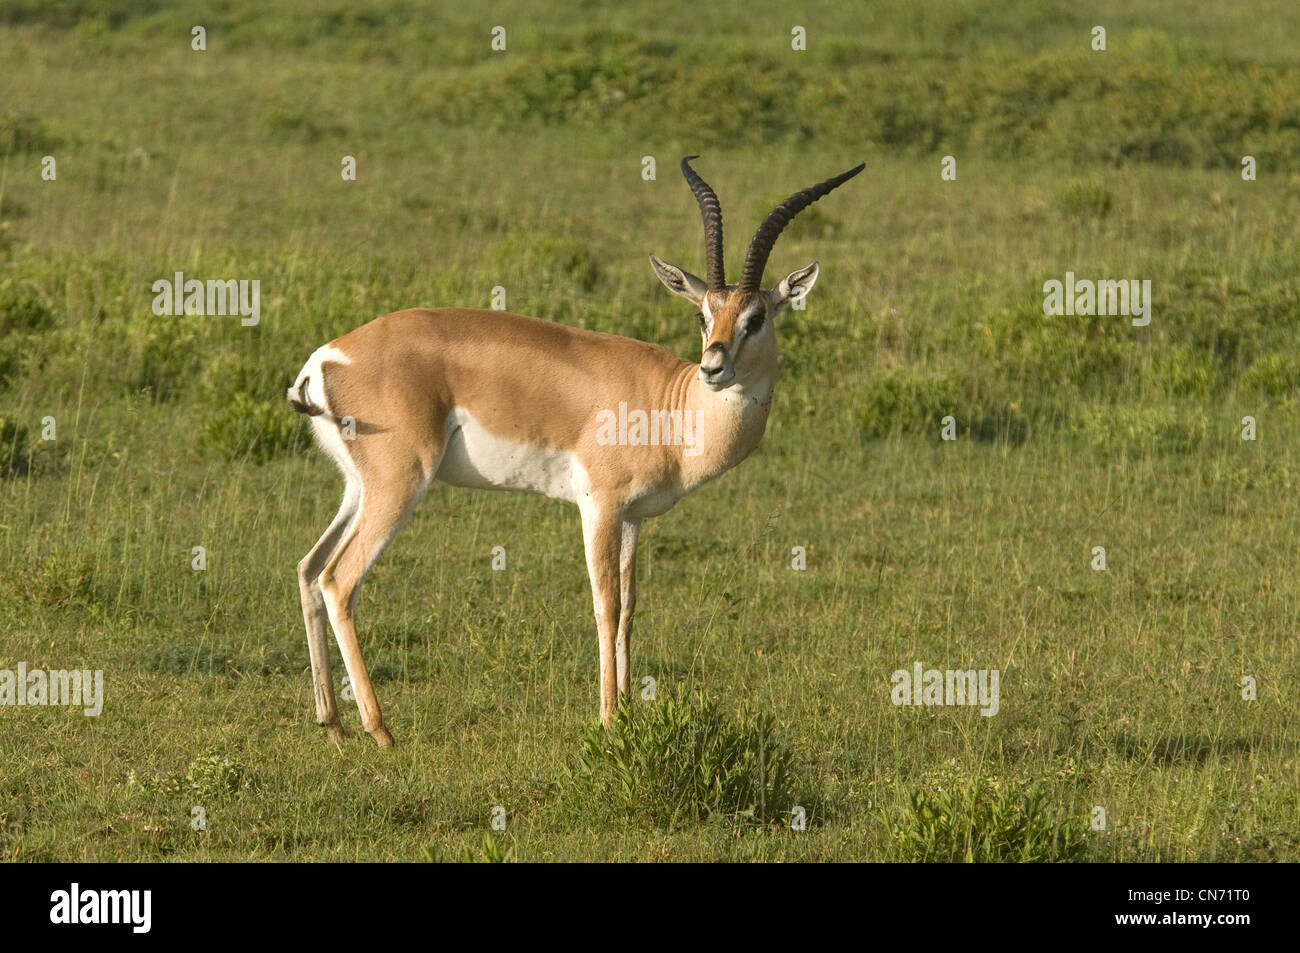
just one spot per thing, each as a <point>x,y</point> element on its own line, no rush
<point>537,383</point>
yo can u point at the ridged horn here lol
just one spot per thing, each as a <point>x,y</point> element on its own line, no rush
<point>765,237</point>
<point>711,213</point>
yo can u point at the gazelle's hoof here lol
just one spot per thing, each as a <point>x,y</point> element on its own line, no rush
<point>336,733</point>
<point>382,737</point>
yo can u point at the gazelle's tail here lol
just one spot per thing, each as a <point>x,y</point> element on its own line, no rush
<point>298,395</point>
<point>300,402</point>
<point>309,395</point>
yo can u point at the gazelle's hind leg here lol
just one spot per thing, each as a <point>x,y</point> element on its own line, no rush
<point>389,492</point>
<point>315,616</point>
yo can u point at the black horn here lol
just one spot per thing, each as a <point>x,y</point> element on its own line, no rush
<point>765,237</point>
<point>711,212</point>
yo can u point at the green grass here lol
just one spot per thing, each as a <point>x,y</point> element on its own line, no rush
<point>1120,689</point>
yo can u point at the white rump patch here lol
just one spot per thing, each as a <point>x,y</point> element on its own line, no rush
<point>310,386</point>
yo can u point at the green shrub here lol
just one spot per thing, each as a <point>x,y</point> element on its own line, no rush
<point>554,87</point>
<point>26,323</point>
<point>906,400</point>
<point>258,430</point>
<point>1044,356</point>
<point>547,262</point>
<point>671,763</point>
<point>62,579</point>
<point>1085,199</point>
<point>15,447</point>
<point>1182,371</point>
<point>207,779</point>
<point>491,851</point>
<point>1143,428</point>
<point>164,358</point>
<point>1277,375</point>
<point>22,309</point>
<point>1006,421</point>
<point>975,821</point>
<point>250,368</point>
<point>25,134</point>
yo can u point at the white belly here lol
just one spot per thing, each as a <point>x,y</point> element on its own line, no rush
<point>477,459</point>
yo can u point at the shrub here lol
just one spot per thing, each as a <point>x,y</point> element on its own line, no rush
<point>22,309</point>
<point>1045,356</point>
<point>1085,199</point>
<point>163,359</point>
<point>62,579</point>
<point>256,430</point>
<point>1141,428</point>
<point>491,851</point>
<point>908,401</point>
<point>25,134</point>
<point>549,261</point>
<point>1276,375</point>
<point>15,447</point>
<point>980,822</point>
<point>672,763</point>
<point>207,778</point>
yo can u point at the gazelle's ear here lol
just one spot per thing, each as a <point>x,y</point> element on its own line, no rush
<point>679,282</point>
<point>796,284</point>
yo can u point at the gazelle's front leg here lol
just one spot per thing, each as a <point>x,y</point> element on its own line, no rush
<point>602,533</point>
<point>631,529</point>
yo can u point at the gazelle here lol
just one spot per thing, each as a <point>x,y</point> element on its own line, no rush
<point>492,400</point>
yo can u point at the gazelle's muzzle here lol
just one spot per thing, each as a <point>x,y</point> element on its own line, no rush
<point>715,366</point>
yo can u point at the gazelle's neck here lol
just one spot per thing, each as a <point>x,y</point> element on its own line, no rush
<point>729,422</point>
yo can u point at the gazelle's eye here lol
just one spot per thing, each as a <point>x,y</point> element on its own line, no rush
<point>755,324</point>
<point>703,326</point>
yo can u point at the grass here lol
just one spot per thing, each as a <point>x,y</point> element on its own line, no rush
<point>1121,689</point>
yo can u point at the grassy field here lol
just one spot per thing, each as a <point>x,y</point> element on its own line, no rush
<point>1120,689</point>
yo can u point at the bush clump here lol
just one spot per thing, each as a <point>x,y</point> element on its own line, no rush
<point>909,401</point>
<point>208,778</point>
<point>15,447</point>
<point>258,430</point>
<point>673,763</point>
<point>974,821</point>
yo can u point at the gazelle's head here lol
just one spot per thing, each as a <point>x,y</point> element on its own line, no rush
<point>736,320</point>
